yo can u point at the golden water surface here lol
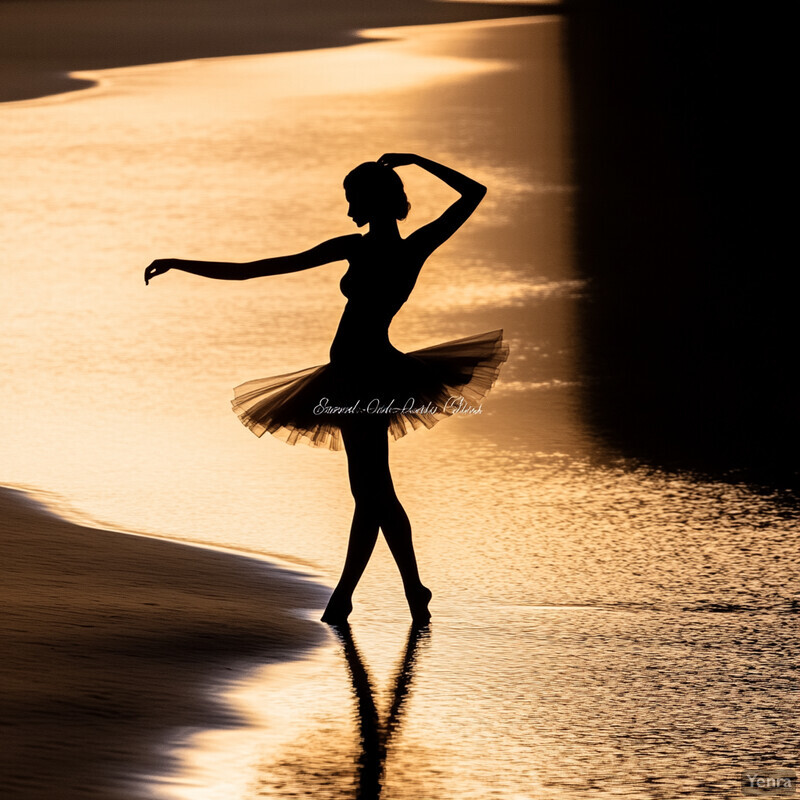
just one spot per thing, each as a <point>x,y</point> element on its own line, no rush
<point>600,629</point>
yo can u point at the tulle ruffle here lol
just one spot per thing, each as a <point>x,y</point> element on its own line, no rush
<point>402,391</point>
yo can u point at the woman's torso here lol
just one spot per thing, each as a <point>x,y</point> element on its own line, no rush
<point>379,280</point>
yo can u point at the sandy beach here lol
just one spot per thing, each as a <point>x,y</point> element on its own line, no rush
<point>113,642</point>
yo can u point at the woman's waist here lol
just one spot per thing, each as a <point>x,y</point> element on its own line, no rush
<point>363,341</point>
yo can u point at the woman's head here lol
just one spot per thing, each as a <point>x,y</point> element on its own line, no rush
<point>373,190</point>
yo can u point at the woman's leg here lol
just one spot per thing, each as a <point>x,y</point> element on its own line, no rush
<point>363,451</point>
<point>397,532</point>
<point>377,506</point>
<point>396,529</point>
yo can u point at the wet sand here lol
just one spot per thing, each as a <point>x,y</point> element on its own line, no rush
<point>113,642</point>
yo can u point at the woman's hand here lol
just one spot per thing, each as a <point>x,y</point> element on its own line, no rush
<point>397,159</point>
<point>158,267</point>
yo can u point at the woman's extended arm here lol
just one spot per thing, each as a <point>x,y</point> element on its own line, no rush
<point>337,249</point>
<point>430,236</point>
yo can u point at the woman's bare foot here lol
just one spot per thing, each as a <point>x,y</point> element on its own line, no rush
<point>418,604</point>
<point>337,610</point>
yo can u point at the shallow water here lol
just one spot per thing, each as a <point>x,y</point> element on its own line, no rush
<point>600,628</point>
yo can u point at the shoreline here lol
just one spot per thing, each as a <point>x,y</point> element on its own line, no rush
<point>113,643</point>
<point>43,43</point>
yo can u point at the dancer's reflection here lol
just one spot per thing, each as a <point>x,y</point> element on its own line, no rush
<point>375,737</point>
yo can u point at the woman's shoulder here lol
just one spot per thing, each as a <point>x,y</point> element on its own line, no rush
<point>352,244</point>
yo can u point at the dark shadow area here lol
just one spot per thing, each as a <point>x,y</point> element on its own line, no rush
<point>687,335</point>
<point>42,40</point>
<point>116,645</point>
<point>376,736</point>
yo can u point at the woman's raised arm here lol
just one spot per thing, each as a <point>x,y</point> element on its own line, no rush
<point>430,236</point>
<point>338,249</point>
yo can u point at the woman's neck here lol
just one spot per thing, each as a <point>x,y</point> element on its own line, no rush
<point>384,229</point>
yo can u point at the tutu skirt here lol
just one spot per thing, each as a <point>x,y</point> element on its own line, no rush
<point>402,391</point>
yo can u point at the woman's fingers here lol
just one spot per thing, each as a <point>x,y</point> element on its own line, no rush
<point>395,159</point>
<point>158,267</point>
